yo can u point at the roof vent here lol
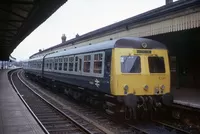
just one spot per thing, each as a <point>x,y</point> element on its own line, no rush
<point>63,38</point>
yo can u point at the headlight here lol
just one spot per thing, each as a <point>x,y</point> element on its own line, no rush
<point>146,87</point>
<point>162,87</point>
<point>126,87</point>
<point>156,91</point>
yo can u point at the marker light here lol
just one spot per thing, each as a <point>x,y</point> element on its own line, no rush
<point>146,87</point>
<point>125,87</point>
<point>162,87</point>
<point>156,91</point>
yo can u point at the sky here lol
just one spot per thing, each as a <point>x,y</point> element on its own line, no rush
<point>80,16</point>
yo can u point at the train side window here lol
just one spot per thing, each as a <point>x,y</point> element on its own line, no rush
<point>98,58</point>
<point>76,64</point>
<point>47,64</point>
<point>71,63</point>
<point>50,66</point>
<point>56,64</point>
<point>60,63</point>
<point>55,67</point>
<point>65,63</point>
<point>80,64</point>
<point>86,65</point>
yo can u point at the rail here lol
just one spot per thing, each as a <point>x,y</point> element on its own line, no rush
<point>50,118</point>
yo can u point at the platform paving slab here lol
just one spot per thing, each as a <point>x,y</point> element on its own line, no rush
<point>14,116</point>
<point>187,96</point>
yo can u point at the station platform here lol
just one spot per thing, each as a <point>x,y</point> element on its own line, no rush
<point>15,118</point>
<point>187,96</point>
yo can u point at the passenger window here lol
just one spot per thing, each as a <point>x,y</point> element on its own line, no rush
<point>80,65</point>
<point>60,64</point>
<point>65,64</point>
<point>71,63</point>
<point>98,63</point>
<point>76,64</point>
<point>50,66</point>
<point>87,60</point>
<point>55,67</point>
<point>56,64</point>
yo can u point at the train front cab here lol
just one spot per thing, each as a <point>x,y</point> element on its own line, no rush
<point>140,75</point>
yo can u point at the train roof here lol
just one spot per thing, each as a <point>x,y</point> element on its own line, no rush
<point>37,58</point>
<point>126,42</point>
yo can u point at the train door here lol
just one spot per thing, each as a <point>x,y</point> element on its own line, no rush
<point>80,63</point>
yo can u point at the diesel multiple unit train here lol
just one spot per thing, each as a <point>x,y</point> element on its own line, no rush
<point>127,75</point>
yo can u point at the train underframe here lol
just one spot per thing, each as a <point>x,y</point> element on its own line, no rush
<point>137,107</point>
<point>129,107</point>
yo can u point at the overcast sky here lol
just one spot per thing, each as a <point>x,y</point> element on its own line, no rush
<point>80,16</point>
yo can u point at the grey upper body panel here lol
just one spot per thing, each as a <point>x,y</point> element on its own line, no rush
<point>127,42</point>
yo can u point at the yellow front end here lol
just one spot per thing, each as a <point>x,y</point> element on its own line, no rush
<point>140,72</point>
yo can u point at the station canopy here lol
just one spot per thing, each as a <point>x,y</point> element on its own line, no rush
<point>18,18</point>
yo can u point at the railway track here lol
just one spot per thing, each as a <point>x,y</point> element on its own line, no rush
<point>85,110</point>
<point>157,127</point>
<point>51,119</point>
<point>153,127</point>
